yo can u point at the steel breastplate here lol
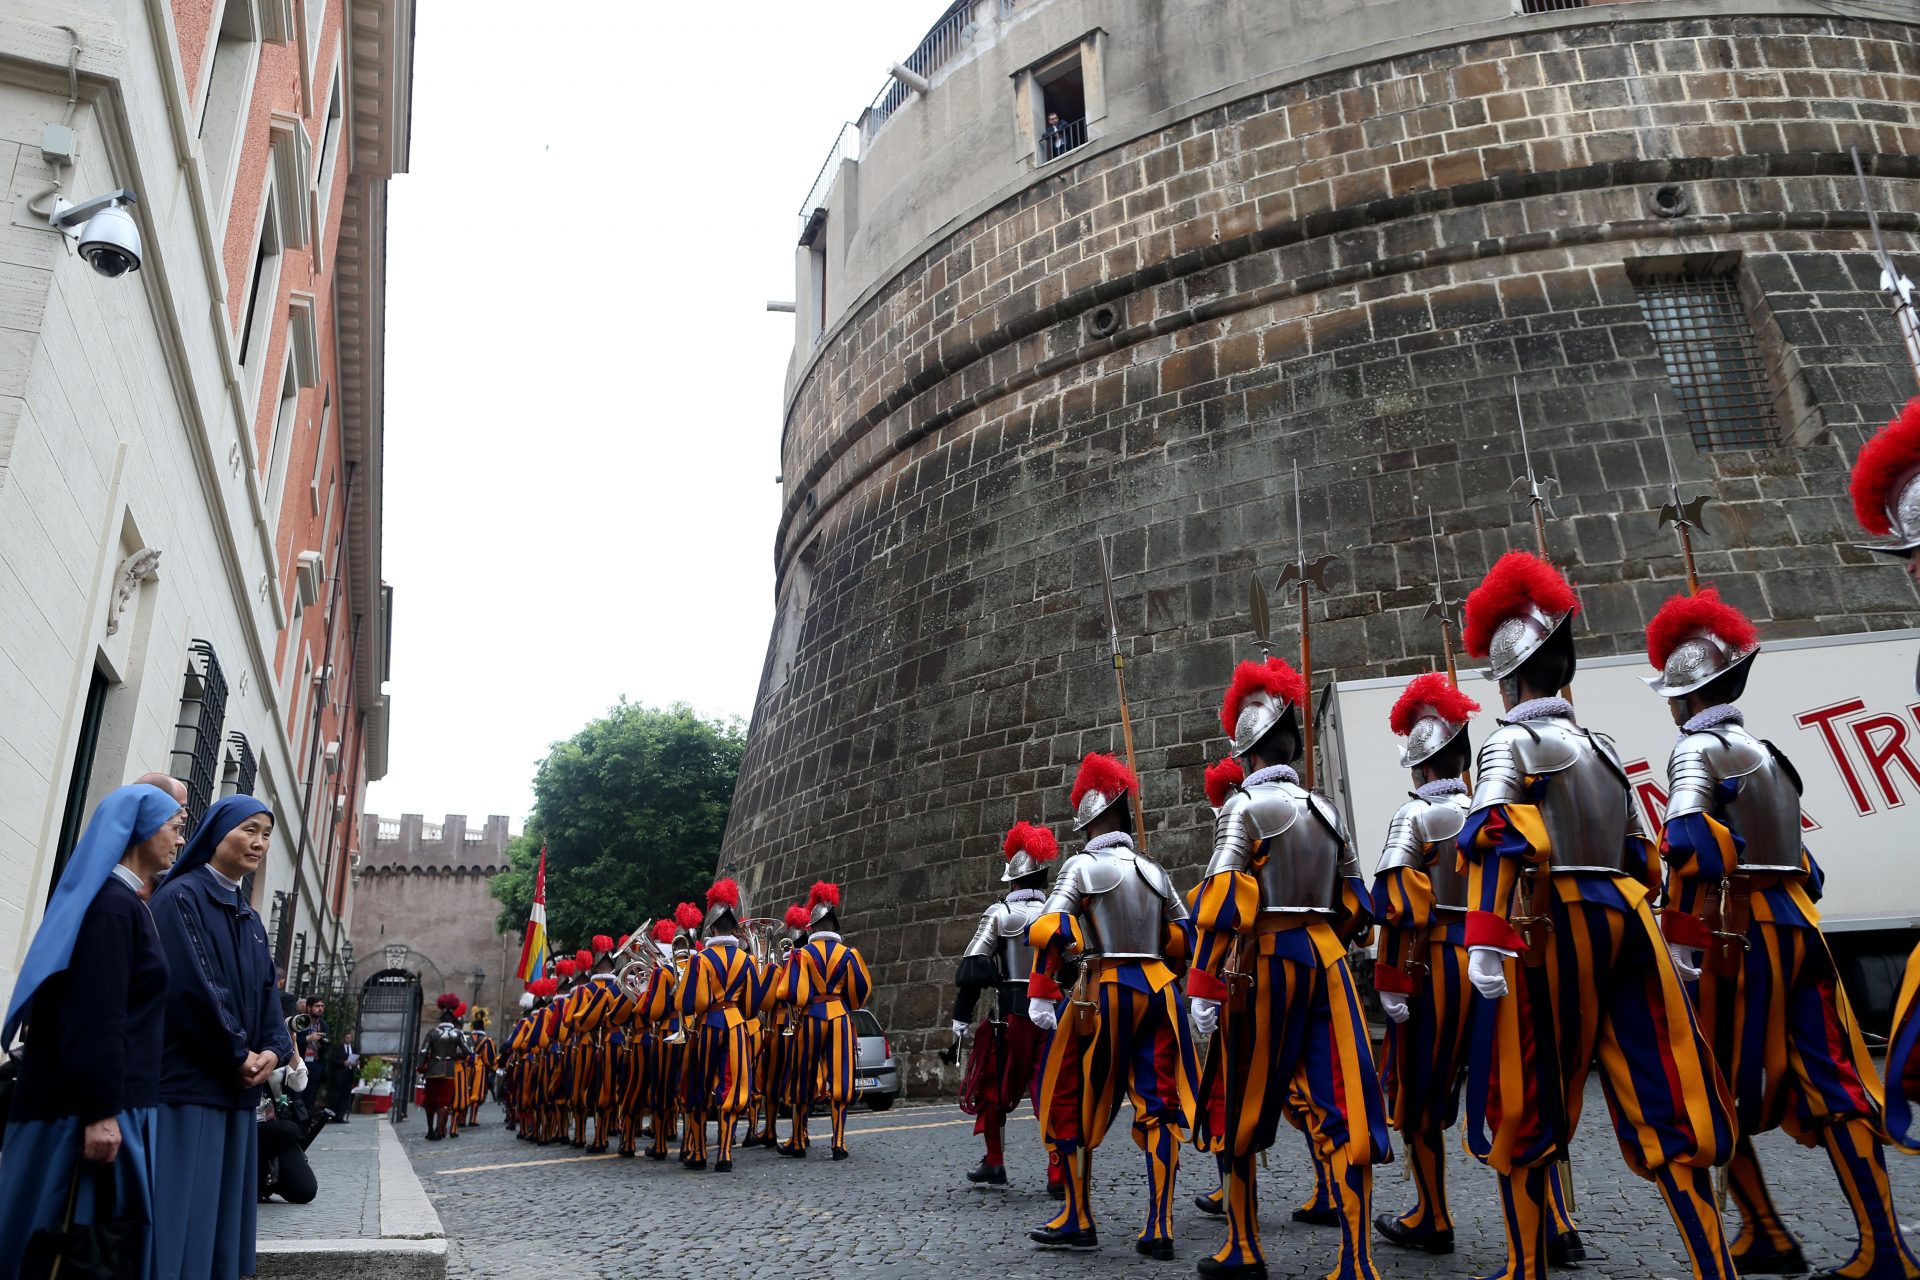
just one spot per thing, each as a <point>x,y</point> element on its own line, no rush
<point>1585,806</point>
<point>1010,940</point>
<point>1437,827</point>
<point>1125,906</point>
<point>1765,808</point>
<point>1303,859</point>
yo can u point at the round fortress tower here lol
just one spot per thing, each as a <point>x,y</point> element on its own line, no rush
<point>1260,234</point>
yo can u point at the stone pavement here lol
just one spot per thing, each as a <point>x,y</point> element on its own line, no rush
<point>371,1217</point>
<point>900,1207</point>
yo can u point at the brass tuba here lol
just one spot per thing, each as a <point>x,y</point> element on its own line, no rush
<point>758,933</point>
<point>633,964</point>
<point>682,957</point>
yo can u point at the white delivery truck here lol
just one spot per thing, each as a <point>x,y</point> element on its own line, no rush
<point>1842,708</point>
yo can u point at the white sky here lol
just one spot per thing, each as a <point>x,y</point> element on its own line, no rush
<point>583,383</point>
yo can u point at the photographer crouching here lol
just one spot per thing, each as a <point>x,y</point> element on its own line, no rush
<point>287,1128</point>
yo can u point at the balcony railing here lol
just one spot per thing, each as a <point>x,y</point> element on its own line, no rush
<point>941,46</point>
<point>1057,140</point>
<point>846,146</point>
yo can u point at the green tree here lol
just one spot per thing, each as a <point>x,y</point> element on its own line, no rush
<point>631,810</point>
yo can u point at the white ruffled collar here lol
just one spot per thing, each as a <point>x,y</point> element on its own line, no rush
<point>1108,841</point>
<point>1026,895</point>
<point>1272,773</point>
<point>1442,787</point>
<point>1538,709</point>
<point>1713,717</point>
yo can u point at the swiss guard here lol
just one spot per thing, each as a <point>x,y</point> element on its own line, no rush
<point>485,1055</point>
<point>718,999</point>
<point>773,1072</point>
<point>1281,898</point>
<point>1006,1049</point>
<point>665,1042</point>
<point>1743,928</point>
<point>1886,502</point>
<point>1113,910</point>
<point>1561,941</point>
<point>824,982</point>
<point>445,1055</point>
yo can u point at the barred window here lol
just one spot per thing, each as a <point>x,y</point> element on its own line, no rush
<point>1713,362</point>
<point>1550,6</point>
<point>236,777</point>
<point>196,735</point>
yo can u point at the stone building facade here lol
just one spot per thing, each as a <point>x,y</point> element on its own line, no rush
<point>190,453</point>
<point>1344,258</point>
<point>423,886</point>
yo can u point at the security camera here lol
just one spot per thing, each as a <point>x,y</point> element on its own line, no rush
<point>108,235</point>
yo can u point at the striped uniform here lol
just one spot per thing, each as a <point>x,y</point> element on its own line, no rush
<point>590,1013</point>
<point>1293,1041</point>
<point>1610,992</point>
<point>719,998</point>
<point>1782,1030</point>
<point>1903,1061</point>
<point>486,1056</point>
<point>1134,1040</point>
<point>668,1060</point>
<point>824,981</point>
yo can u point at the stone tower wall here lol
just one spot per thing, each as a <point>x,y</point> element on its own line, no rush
<point>1345,273</point>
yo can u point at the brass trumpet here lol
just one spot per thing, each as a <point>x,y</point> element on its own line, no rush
<point>681,958</point>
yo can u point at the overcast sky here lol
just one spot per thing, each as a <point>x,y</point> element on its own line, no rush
<point>583,382</point>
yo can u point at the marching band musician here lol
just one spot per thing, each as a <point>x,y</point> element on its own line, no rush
<point>556,1076</point>
<point>1886,502</point>
<point>444,1053</point>
<point>1114,910</point>
<point>661,1008</point>
<point>595,1011</point>
<point>825,980</point>
<point>513,1059</point>
<point>1283,894</point>
<point>1006,1050</point>
<point>577,1049</point>
<point>1562,943</point>
<point>773,1074</point>
<point>719,999</point>
<point>627,1060</point>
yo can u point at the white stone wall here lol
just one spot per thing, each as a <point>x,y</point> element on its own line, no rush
<point>122,424</point>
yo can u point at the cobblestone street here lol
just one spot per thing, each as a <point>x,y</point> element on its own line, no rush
<point>900,1207</point>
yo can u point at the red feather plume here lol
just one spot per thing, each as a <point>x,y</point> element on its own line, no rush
<point>602,943</point>
<point>688,916</point>
<point>582,961</point>
<point>1103,773</point>
<point>447,1001</point>
<point>625,938</point>
<point>1222,778</point>
<point>1035,841</point>
<point>1883,460</point>
<point>1430,690</point>
<point>823,892</point>
<point>549,987</point>
<point>724,892</point>
<point>460,1009</point>
<point>1683,616</point>
<point>1517,579</point>
<point>664,930</point>
<point>564,966</point>
<point>1273,676</point>
<point>797,917</point>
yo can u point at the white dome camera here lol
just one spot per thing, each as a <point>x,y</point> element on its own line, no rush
<point>108,235</point>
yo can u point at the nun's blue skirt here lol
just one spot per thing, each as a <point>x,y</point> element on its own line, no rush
<point>206,1193</point>
<point>36,1174</point>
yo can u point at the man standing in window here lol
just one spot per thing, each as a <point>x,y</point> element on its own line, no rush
<point>1057,140</point>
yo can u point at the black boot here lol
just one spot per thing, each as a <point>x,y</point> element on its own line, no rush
<point>1406,1238</point>
<point>1065,1237</point>
<point>1566,1249</point>
<point>992,1174</point>
<point>1209,1204</point>
<point>1158,1250</point>
<point>1231,1270</point>
<point>1788,1262</point>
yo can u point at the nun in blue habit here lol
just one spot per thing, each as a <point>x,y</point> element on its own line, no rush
<point>92,998</point>
<point>224,1037</point>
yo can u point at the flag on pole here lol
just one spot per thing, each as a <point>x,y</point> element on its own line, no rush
<point>533,951</point>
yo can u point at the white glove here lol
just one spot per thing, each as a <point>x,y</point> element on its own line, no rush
<point>959,1030</point>
<point>1206,1015</point>
<point>1040,1013</point>
<point>1395,1004</point>
<point>1686,960</point>
<point>1487,972</point>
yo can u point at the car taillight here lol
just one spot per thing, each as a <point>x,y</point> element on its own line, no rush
<point>887,1043</point>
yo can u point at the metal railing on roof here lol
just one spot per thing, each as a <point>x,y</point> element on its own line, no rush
<point>846,146</point>
<point>941,46</point>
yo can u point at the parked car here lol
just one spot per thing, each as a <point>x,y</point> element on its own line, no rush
<point>875,1073</point>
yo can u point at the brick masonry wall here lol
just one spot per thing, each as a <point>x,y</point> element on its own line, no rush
<point>1347,274</point>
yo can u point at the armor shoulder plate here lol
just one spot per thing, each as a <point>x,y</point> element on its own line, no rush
<point>1404,847</point>
<point>1609,751</point>
<point>1690,777</point>
<point>1441,820</point>
<point>1328,813</point>
<point>1233,837</point>
<point>1069,886</point>
<point>1497,769</point>
<point>1271,807</point>
<point>1786,766</point>
<point>984,933</point>
<point>1012,921</point>
<point>1733,752</point>
<point>1156,877</point>
<point>1101,874</point>
<point>1547,745</point>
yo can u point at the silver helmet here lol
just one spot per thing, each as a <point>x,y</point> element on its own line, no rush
<point>1430,733</point>
<point>1696,661</point>
<point>1259,712</point>
<point>1519,638</point>
<point>1903,516</point>
<point>824,901</point>
<point>1430,713</point>
<point>1703,638</point>
<point>1028,849</point>
<point>1102,782</point>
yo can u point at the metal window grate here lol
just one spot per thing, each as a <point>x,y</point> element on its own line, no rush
<point>1700,328</point>
<point>1550,6</point>
<point>248,769</point>
<point>196,735</point>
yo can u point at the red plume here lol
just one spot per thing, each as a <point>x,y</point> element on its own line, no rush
<point>582,961</point>
<point>1517,579</point>
<point>564,966</point>
<point>1274,677</point>
<point>1883,460</point>
<point>724,893</point>
<point>1222,778</point>
<point>1103,773</point>
<point>549,987</point>
<point>797,917</point>
<point>602,943</point>
<point>1683,616</point>
<point>823,892</point>
<point>664,930</point>
<point>625,938</point>
<point>447,1002</point>
<point>1036,842</point>
<point>1430,690</point>
<point>460,1009</point>
<point>688,916</point>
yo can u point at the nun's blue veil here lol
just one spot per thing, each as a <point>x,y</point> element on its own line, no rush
<point>125,818</point>
<point>213,828</point>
